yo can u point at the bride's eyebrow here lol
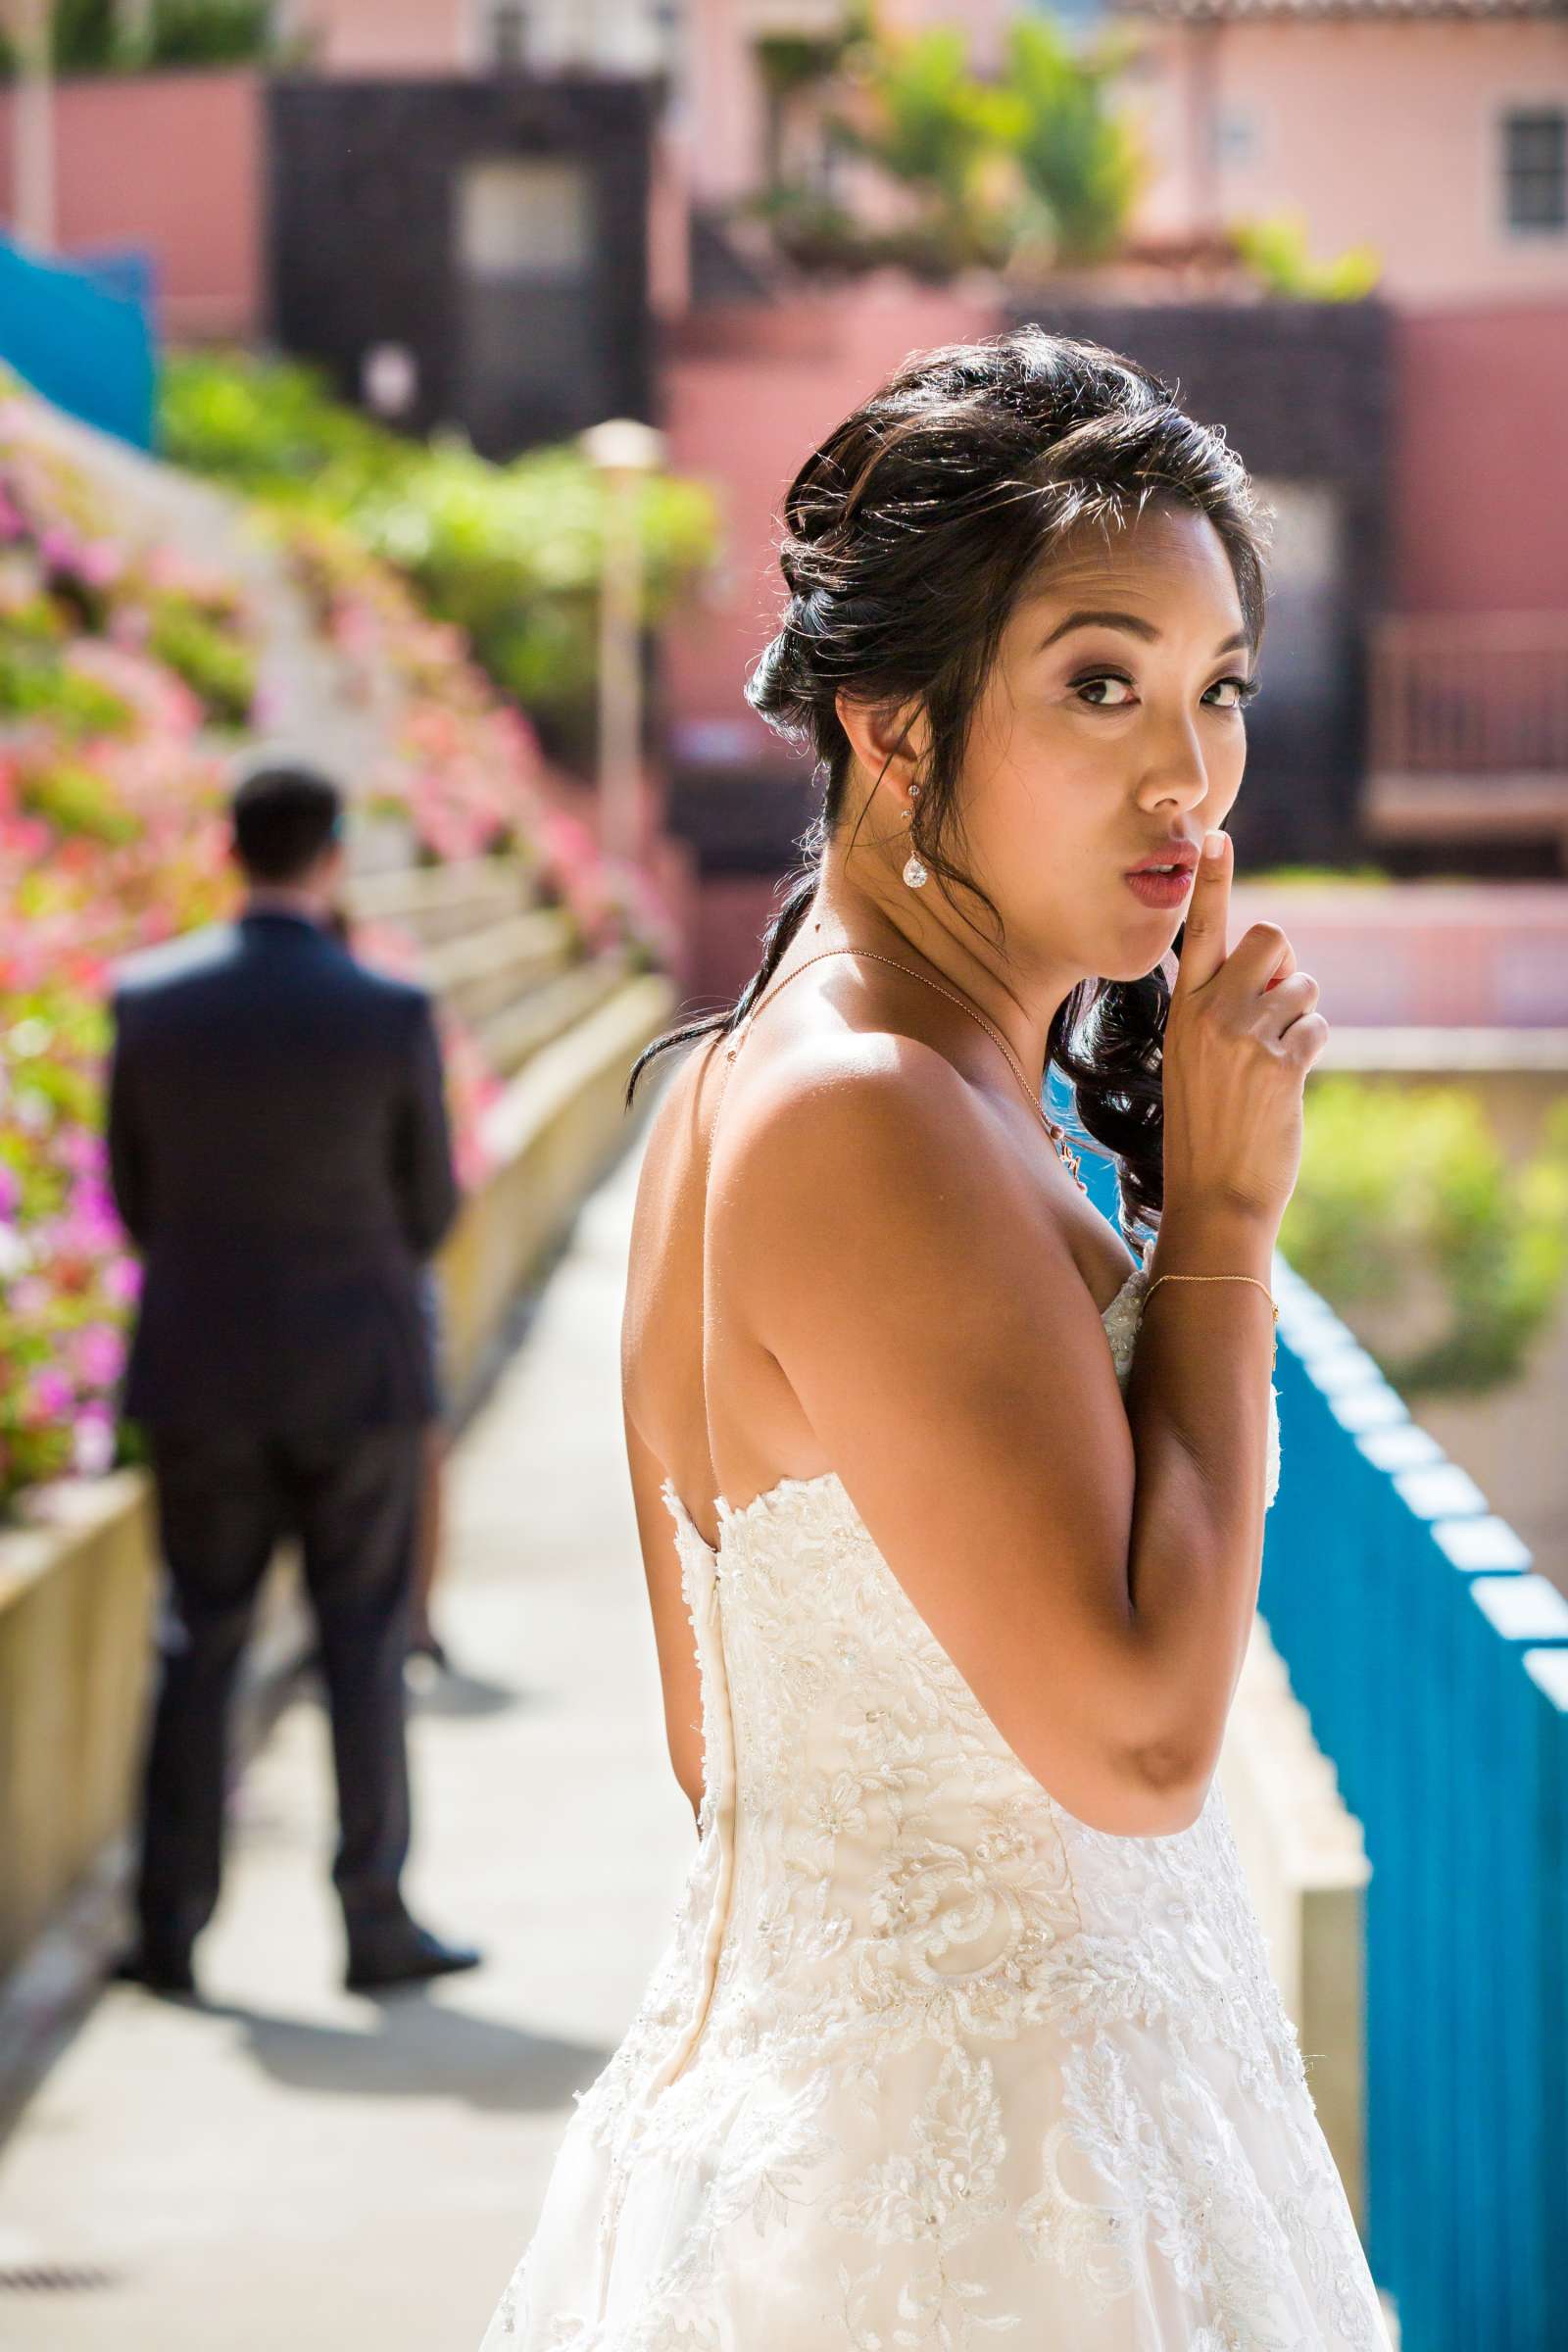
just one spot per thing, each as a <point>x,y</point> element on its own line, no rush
<point>1136,626</point>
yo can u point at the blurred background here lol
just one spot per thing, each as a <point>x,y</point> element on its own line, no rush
<point>413,382</point>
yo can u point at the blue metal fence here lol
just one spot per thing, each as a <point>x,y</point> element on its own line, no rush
<point>1434,1664</point>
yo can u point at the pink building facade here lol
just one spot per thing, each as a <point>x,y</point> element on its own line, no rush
<point>1410,132</point>
<point>172,165</point>
<point>1416,133</point>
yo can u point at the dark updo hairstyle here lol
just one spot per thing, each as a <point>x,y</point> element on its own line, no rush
<point>908,537</point>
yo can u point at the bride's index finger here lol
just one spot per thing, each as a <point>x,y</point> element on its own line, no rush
<point>1203,935</point>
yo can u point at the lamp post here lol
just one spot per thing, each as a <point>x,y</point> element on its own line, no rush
<point>32,207</point>
<point>624,452</point>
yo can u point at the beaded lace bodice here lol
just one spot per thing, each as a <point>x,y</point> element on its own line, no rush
<point>856,1787</point>
<point>929,2060</point>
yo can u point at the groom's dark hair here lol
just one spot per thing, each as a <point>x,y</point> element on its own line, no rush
<point>283,815</point>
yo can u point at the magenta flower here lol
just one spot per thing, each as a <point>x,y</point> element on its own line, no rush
<point>51,1397</point>
<point>122,1280</point>
<point>83,1150</point>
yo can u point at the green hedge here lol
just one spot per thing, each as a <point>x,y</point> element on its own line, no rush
<point>1405,1189</point>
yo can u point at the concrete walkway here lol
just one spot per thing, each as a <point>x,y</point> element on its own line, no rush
<point>293,2169</point>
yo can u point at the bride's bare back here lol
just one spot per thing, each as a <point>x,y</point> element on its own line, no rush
<point>902,1285</point>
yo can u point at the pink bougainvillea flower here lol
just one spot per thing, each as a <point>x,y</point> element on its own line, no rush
<point>99,1352</point>
<point>110,842</point>
<point>50,1398</point>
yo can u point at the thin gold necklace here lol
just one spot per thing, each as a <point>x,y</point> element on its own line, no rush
<point>1058,1135</point>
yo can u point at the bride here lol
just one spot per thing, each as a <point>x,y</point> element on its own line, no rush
<point>952,1507</point>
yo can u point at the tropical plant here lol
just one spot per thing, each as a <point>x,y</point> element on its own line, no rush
<point>1082,163</point>
<point>1275,249</point>
<point>790,67</point>
<point>929,122</point>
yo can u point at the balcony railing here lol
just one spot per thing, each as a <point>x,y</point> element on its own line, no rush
<point>1463,695</point>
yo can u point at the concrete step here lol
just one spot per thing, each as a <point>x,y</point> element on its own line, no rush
<point>509,1036</point>
<point>439,902</point>
<point>483,971</point>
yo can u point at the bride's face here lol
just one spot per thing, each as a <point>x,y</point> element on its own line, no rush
<point>1094,743</point>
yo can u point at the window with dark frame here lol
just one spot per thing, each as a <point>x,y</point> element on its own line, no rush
<point>1535,163</point>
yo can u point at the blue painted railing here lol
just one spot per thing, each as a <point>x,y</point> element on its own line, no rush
<point>1434,1665</point>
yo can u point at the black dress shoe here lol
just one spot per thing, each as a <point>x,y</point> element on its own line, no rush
<point>403,1955</point>
<point>165,1972</point>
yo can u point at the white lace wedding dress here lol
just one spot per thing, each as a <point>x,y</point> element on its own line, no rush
<point>928,2062</point>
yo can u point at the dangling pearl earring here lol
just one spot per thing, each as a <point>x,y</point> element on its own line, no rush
<point>915,874</point>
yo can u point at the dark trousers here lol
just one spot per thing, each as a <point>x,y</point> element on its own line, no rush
<point>225,1500</point>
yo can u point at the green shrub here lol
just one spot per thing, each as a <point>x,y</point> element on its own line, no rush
<point>207,33</point>
<point>1406,1189</point>
<point>510,553</point>
<point>218,671</point>
<point>271,425</point>
<point>93,36</point>
<point>1358,876</point>
<point>36,684</point>
<point>79,802</point>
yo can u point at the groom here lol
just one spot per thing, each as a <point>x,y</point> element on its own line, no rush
<point>279,1155</point>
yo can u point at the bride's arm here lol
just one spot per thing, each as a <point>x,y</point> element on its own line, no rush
<point>672,1629</point>
<point>1091,1576</point>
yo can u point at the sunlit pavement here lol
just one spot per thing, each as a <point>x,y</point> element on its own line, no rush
<point>292,2168</point>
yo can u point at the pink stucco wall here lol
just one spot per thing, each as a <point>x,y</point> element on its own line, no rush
<point>389,36</point>
<point>1380,133</point>
<point>1480,480</point>
<point>746,397</point>
<point>172,162</point>
<point>1477,488</point>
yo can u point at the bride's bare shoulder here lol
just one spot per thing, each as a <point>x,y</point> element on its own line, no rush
<point>850,1154</point>
<point>843,1091</point>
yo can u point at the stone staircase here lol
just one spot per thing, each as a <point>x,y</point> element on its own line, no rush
<point>509,967</point>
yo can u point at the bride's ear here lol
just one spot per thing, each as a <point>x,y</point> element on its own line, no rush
<point>889,743</point>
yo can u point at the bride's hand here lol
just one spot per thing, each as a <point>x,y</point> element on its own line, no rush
<point>1241,1035</point>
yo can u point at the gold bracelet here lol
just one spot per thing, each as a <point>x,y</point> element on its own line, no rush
<point>1251,1278</point>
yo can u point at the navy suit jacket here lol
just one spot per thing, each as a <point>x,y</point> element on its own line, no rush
<point>279,1153</point>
